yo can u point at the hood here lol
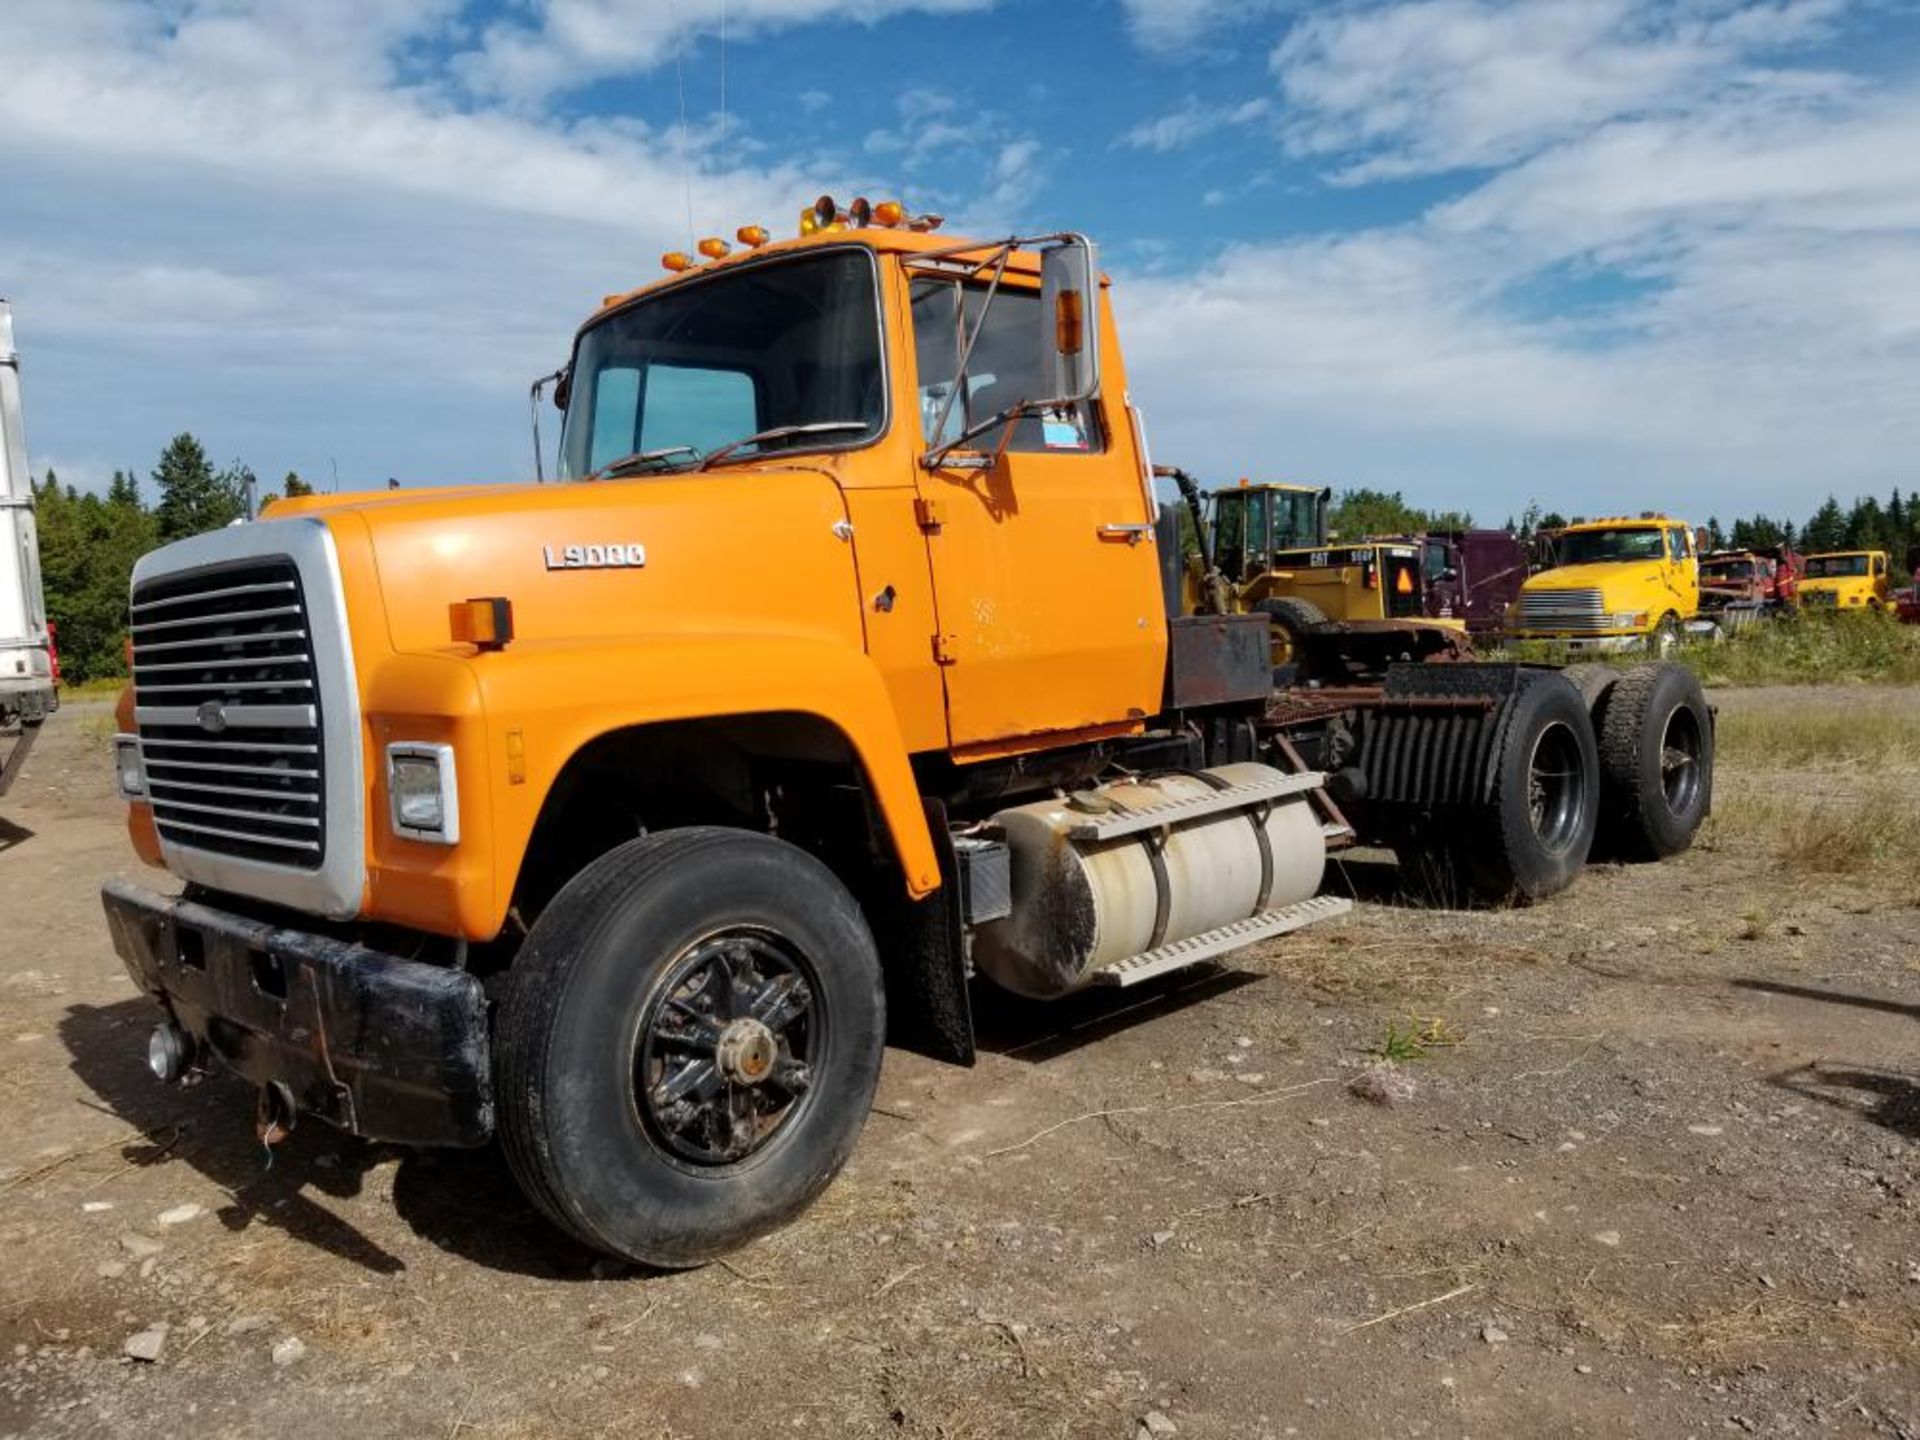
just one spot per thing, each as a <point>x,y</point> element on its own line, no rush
<point>645,555</point>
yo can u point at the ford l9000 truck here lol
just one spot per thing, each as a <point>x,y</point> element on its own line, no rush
<point>513,811</point>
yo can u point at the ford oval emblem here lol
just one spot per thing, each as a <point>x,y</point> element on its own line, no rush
<point>212,715</point>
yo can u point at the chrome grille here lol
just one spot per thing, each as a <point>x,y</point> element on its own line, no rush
<point>1565,611</point>
<point>227,705</point>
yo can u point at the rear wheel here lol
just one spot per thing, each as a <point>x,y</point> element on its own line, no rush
<point>689,1044</point>
<point>1592,681</point>
<point>1656,762</point>
<point>1531,838</point>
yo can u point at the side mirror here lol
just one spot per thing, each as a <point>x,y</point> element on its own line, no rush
<point>1070,321</point>
<point>563,388</point>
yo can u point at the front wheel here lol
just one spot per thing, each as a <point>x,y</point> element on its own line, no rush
<point>689,1044</point>
<point>1664,637</point>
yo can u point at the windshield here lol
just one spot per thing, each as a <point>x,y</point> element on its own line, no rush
<point>1586,547</point>
<point>1727,570</point>
<point>1829,566</point>
<point>1296,519</point>
<point>699,366</point>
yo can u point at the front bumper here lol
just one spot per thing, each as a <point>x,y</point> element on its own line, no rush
<point>1587,644</point>
<point>379,1046</point>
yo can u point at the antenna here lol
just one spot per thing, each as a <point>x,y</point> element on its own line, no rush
<point>680,82</point>
<point>723,89</point>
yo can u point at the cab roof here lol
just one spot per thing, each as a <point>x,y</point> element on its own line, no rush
<point>882,239</point>
<point>1616,522</point>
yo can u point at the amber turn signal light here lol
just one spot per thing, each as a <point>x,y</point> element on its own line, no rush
<point>485,622</point>
<point>1069,323</point>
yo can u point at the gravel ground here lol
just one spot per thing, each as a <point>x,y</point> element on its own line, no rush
<point>1656,1176</point>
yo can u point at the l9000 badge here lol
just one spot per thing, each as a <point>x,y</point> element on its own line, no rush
<point>595,557</point>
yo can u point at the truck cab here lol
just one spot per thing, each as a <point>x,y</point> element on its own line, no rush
<point>1617,584</point>
<point>1844,580</point>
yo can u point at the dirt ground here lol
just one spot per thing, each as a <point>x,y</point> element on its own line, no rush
<point>1657,1177</point>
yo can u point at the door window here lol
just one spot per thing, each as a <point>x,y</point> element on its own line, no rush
<point>1004,369</point>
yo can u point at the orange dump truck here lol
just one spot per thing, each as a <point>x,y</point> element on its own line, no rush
<point>541,811</point>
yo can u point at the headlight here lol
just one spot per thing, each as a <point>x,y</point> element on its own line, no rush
<point>128,773</point>
<point>423,798</point>
<point>1630,620</point>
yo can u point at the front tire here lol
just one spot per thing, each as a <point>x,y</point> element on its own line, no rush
<point>689,1044</point>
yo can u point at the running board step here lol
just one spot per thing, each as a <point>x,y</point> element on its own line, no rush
<point>1117,822</point>
<point>1194,949</point>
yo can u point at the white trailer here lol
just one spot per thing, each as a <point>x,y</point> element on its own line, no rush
<point>27,694</point>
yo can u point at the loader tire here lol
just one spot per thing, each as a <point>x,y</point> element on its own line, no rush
<point>1293,620</point>
<point>1656,762</point>
<point>689,1044</point>
<point>1530,838</point>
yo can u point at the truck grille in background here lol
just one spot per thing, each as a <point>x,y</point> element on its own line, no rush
<point>228,712</point>
<point>1569,611</point>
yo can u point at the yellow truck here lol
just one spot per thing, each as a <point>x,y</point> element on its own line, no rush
<point>507,811</point>
<point>1617,584</point>
<point>1847,580</point>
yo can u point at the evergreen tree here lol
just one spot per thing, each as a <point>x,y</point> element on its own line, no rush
<point>87,549</point>
<point>124,491</point>
<point>293,486</point>
<point>1827,530</point>
<point>1716,537</point>
<point>194,499</point>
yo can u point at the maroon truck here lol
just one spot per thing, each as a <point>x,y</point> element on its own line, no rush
<point>1472,575</point>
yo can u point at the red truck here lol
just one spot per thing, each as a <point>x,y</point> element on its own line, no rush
<point>1738,587</point>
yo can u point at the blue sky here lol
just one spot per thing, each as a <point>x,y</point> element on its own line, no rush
<point>1598,253</point>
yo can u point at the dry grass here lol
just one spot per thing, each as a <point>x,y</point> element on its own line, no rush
<point>1876,833</point>
<point>1335,965</point>
<point>1870,733</point>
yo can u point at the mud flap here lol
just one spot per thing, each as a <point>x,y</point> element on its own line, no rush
<point>921,950</point>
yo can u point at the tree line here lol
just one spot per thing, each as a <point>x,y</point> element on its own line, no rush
<point>88,544</point>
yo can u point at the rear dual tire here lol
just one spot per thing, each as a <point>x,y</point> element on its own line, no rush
<point>685,949</point>
<point>1531,837</point>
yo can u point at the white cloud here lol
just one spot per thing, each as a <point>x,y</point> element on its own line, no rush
<point>1193,121</point>
<point>1444,84</point>
<point>570,43</point>
<point>1179,23</point>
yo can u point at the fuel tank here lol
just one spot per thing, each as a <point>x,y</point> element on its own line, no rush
<point>1103,875</point>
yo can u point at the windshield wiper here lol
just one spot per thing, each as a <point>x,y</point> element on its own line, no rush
<point>637,460</point>
<point>779,432</point>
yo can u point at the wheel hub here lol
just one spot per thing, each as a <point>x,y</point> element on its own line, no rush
<point>746,1052</point>
<point>726,1047</point>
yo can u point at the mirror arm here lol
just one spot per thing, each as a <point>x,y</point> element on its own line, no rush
<point>533,404</point>
<point>966,351</point>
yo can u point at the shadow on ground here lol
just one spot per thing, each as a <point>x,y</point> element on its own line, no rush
<point>1040,1030</point>
<point>12,835</point>
<point>1885,1097</point>
<point>463,1201</point>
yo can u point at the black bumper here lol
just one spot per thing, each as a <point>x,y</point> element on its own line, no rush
<point>379,1046</point>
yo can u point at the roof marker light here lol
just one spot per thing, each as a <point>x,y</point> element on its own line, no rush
<point>751,235</point>
<point>677,260</point>
<point>889,213</point>
<point>714,248</point>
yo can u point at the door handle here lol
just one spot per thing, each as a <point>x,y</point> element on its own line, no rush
<point>1132,534</point>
